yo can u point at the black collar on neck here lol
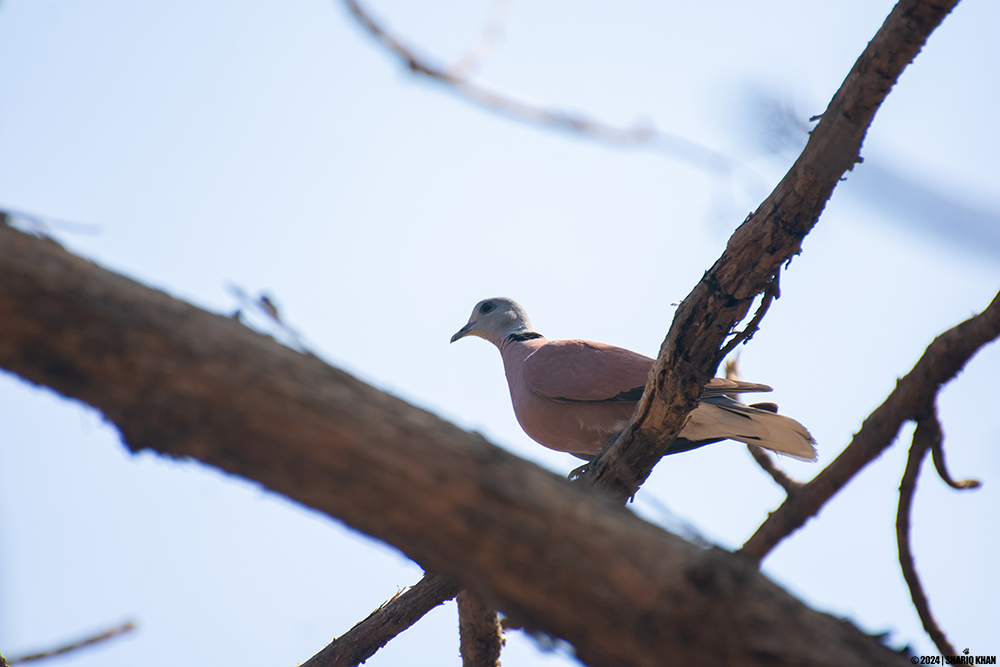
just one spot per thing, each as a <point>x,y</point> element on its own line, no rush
<point>526,335</point>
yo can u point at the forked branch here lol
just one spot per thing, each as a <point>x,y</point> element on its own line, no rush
<point>913,397</point>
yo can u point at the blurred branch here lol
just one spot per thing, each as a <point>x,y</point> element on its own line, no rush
<point>456,80</point>
<point>480,634</point>
<point>913,397</point>
<point>364,639</point>
<point>104,636</point>
<point>37,225</point>
<point>926,436</point>
<point>265,306</point>
<point>765,461</point>
<point>487,42</point>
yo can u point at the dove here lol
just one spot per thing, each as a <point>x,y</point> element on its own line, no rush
<point>575,395</point>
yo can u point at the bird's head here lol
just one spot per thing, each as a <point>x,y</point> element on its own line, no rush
<point>495,319</point>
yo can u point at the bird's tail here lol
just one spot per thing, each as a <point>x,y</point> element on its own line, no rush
<point>721,417</point>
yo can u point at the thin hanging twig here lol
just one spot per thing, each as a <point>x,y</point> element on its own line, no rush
<point>926,436</point>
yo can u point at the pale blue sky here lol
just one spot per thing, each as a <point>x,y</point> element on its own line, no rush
<point>277,147</point>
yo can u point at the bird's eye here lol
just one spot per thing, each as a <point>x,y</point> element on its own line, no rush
<point>486,307</point>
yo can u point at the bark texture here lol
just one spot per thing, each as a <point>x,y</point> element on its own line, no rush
<point>553,555</point>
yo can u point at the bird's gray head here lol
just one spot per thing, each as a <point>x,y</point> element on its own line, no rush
<point>496,319</point>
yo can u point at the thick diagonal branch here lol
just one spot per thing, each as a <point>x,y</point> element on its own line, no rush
<point>756,251</point>
<point>549,553</point>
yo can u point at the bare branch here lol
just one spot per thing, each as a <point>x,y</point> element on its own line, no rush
<point>937,454</point>
<point>364,639</point>
<point>536,113</point>
<point>479,630</point>
<point>779,476</point>
<point>89,641</point>
<point>772,291</point>
<point>926,436</point>
<point>913,396</point>
<point>769,238</point>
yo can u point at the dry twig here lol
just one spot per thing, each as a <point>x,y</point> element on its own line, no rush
<point>926,436</point>
<point>772,291</point>
<point>765,461</point>
<point>456,80</point>
<point>937,454</point>
<point>104,636</point>
<point>760,455</point>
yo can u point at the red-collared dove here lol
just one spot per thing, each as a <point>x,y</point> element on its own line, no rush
<point>574,395</point>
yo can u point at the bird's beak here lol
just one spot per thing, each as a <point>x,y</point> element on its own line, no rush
<point>463,332</point>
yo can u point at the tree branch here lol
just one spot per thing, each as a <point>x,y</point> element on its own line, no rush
<point>553,555</point>
<point>69,648</point>
<point>926,436</point>
<point>769,238</point>
<point>913,396</point>
<point>480,634</point>
<point>779,476</point>
<point>455,79</point>
<point>364,639</point>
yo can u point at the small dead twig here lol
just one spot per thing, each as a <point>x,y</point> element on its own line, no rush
<point>937,455</point>
<point>926,436</point>
<point>760,454</point>
<point>104,636</point>
<point>264,305</point>
<point>771,292</point>
<point>765,461</point>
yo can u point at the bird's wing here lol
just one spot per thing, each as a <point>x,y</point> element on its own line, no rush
<point>582,371</point>
<point>722,386</point>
